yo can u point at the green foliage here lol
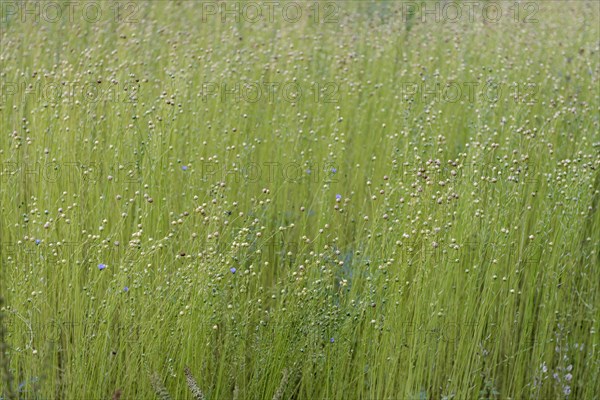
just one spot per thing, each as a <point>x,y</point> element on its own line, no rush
<point>157,211</point>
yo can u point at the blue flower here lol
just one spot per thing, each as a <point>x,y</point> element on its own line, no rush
<point>567,390</point>
<point>126,289</point>
<point>23,384</point>
<point>334,170</point>
<point>101,266</point>
<point>232,269</point>
<point>338,196</point>
<point>184,167</point>
<point>332,340</point>
<point>38,241</point>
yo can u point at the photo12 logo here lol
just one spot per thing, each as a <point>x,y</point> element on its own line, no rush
<point>269,11</point>
<point>268,172</point>
<point>69,92</point>
<point>17,173</point>
<point>54,330</point>
<point>469,11</point>
<point>37,251</point>
<point>527,173</point>
<point>68,11</point>
<point>271,92</point>
<point>486,252</point>
<point>467,92</point>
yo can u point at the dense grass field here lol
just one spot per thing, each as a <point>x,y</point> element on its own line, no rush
<point>300,200</point>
